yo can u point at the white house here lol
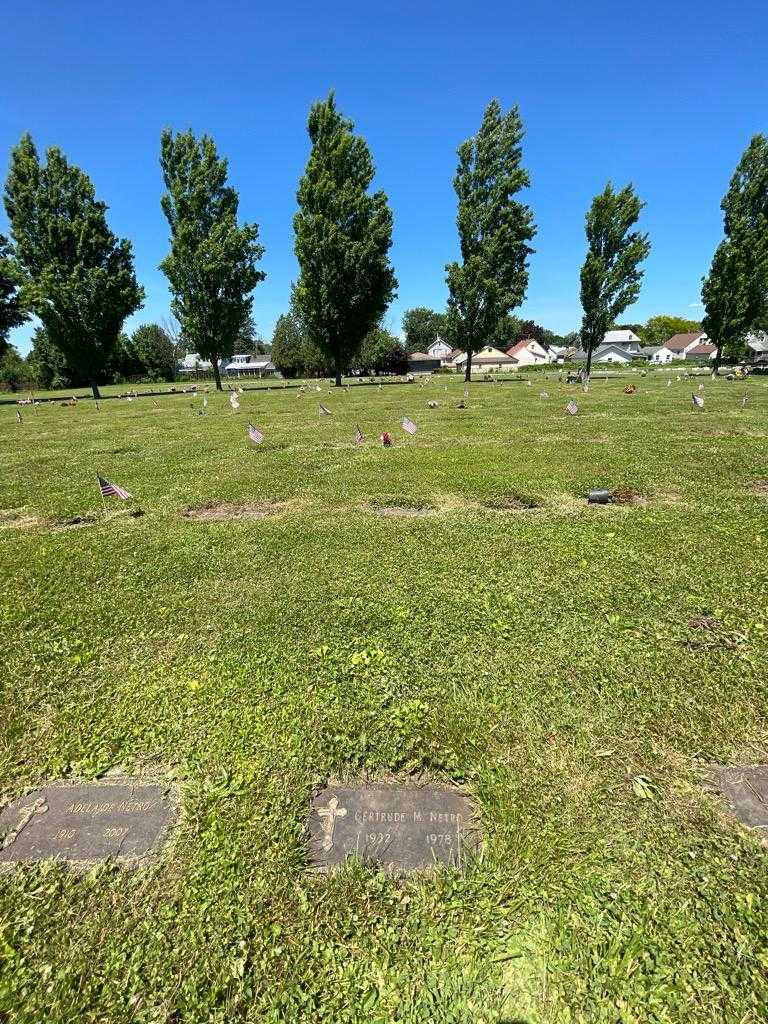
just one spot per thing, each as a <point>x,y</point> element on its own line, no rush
<point>250,363</point>
<point>609,354</point>
<point>192,362</point>
<point>441,350</point>
<point>757,346</point>
<point>701,353</point>
<point>615,353</point>
<point>624,339</point>
<point>486,359</point>
<point>678,346</point>
<point>529,352</point>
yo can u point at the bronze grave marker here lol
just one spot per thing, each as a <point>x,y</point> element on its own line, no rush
<point>82,823</point>
<point>400,828</point>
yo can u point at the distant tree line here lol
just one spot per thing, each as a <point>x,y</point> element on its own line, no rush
<point>64,266</point>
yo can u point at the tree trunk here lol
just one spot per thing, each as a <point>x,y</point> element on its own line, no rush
<point>468,371</point>
<point>717,359</point>
<point>338,375</point>
<point>95,390</point>
<point>589,361</point>
<point>217,375</point>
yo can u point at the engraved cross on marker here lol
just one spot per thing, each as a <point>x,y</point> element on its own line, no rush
<point>328,816</point>
<point>28,813</point>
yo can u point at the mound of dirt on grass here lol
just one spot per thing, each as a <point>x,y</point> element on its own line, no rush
<point>628,496</point>
<point>512,503</point>
<point>760,488</point>
<point>395,507</point>
<point>74,522</point>
<point>18,519</point>
<point>220,511</point>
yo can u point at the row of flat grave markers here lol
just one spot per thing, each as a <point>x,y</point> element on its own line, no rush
<point>400,828</point>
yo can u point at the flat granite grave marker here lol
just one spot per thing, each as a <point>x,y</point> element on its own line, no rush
<point>83,823</point>
<point>746,792</point>
<point>398,827</point>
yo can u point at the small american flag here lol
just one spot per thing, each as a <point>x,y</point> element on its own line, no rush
<point>409,426</point>
<point>324,411</point>
<point>110,490</point>
<point>698,401</point>
<point>359,438</point>
<point>255,434</point>
<point>233,400</point>
<point>572,408</point>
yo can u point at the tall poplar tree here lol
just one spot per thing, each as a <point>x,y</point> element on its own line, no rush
<point>494,231</point>
<point>212,263</point>
<point>12,308</point>
<point>78,276</point>
<point>611,274</point>
<point>735,292</point>
<point>343,237</point>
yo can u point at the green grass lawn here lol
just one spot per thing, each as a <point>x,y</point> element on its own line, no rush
<point>576,668</point>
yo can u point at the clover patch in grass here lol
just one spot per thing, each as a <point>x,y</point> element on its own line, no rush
<point>222,511</point>
<point>405,507</point>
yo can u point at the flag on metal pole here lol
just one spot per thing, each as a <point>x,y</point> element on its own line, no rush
<point>324,411</point>
<point>255,434</point>
<point>409,426</point>
<point>18,416</point>
<point>110,490</point>
<point>359,438</point>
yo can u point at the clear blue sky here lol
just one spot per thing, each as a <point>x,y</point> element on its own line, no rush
<point>662,93</point>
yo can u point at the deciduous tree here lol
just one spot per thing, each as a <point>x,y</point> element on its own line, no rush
<point>14,372</point>
<point>288,346</point>
<point>47,365</point>
<point>735,292</point>
<point>494,231</point>
<point>155,351</point>
<point>12,308</point>
<point>421,327</point>
<point>212,263</point>
<point>660,328</point>
<point>382,352</point>
<point>343,236</point>
<point>611,275</point>
<point>79,277</point>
